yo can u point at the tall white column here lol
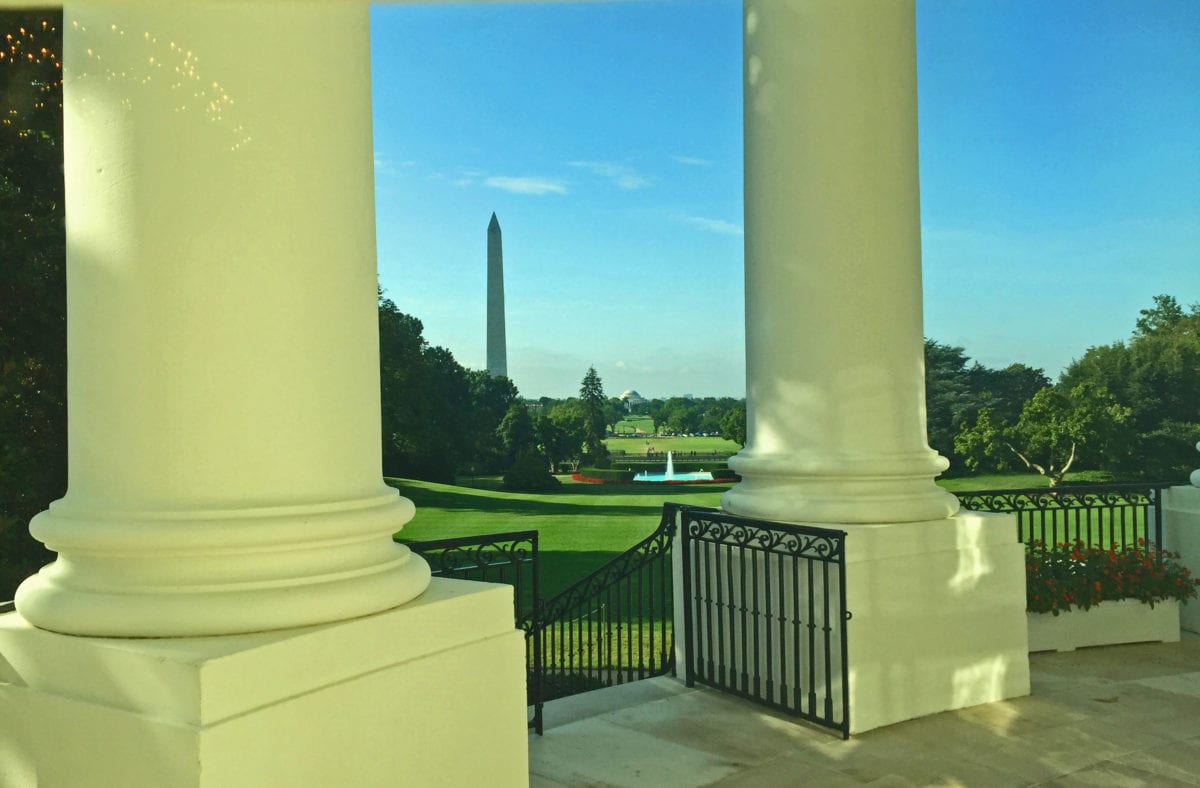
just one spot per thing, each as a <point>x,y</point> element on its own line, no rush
<point>834,366</point>
<point>222,328</point>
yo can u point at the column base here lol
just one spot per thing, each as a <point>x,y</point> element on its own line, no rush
<point>420,695</point>
<point>1181,534</point>
<point>194,574</point>
<point>872,490</point>
<point>939,617</point>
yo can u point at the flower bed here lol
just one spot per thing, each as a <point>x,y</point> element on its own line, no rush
<point>1142,587</point>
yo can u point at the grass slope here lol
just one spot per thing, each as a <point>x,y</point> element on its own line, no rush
<point>582,526</point>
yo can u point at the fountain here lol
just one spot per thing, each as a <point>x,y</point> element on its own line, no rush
<point>671,476</point>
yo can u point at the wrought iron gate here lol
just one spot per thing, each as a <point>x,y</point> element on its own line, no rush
<point>765,613</point>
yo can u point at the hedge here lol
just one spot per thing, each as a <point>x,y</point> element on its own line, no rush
<point>604,475</point>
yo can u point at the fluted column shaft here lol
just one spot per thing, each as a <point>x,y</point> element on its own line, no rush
<point>834,366</point>
<point>224,468</point>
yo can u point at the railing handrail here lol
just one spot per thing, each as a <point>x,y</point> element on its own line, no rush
<point>462,541</point>
<point>787,528</point>
<point>1051,514</point>
<point>1068,489</point>
<point>739,539</point>
<point>619,567</point>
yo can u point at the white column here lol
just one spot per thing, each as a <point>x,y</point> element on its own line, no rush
<point>222,330</point>
<point>1181,534</point>
<point>834,365</point>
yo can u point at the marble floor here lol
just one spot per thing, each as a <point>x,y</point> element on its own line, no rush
<point>1109,716</point>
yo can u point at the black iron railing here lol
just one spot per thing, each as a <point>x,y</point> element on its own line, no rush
<point>615,625</point>
<point>510,558</point>
<point>765,613</point>
<point>1096,515</point>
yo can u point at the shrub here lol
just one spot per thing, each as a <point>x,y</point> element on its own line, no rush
<point>530,473</point>
<point>605,475</point>
<point>1066,575</point>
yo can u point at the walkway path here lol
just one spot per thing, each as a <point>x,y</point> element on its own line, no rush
<point>1112,716</point>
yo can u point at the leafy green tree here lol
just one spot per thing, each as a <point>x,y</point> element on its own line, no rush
<point>949,398</point>
<point>614,413</point>
<point>1057,428</point>
<point>1156,374</point>
<point>656,410</point>
<point>983,446</point>
<point>559,435</point>
<point>592,404</point>
<point>733,425</point>
<point>491,398</point>
<point>516,431</point>
<point>33,354</point>
<point>682,416</point>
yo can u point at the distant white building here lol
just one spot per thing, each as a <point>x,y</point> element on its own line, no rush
<point>631,398</point>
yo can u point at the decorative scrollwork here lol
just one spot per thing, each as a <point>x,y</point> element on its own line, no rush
<point>1056,498</point>
<point>464,555</point>
<point>798,541</point>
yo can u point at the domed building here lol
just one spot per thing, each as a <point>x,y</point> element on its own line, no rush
<point>632,398</point>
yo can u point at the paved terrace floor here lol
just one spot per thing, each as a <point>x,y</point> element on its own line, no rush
<point>1111,716</point>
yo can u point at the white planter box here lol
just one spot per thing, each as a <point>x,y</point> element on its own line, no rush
<point>1105,624</point>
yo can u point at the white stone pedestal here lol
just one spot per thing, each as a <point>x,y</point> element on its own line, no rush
<point>1181,534</point>
<point>938,617</point>
<point>430,693</point>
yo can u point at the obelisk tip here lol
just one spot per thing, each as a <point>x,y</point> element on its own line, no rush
<point>494,224</point>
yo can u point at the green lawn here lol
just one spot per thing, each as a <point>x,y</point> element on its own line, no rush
<point>680,446</point>
<point>581,526</point>
<point>634,424</point>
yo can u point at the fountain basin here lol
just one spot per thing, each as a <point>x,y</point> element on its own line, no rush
<point>697,476</point>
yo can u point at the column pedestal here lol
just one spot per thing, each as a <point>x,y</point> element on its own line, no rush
<point>939,617</point>
<point>1181,534</point>
<point>419,695</point>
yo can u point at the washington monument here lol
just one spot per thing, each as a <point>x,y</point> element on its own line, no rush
<point>497,356</point>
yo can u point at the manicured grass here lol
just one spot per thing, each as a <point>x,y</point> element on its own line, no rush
<point>1016,481</point>
<point>633,424</point>
<point>678,445</point>
<point>583,526</point>
<point>580,527</point>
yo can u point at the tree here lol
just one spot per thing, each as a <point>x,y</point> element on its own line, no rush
<point>733,425</point>
<point>983,446</point>
<point>33,357</point>
<point>655,409</point>
<point>614,413</point>
<point>516,432</point>
<point>592,403</point>
<point>491,398</point>
<point>1163,316</point>
<point>1156,374</point>
<point>1056,429</point>
<point>559,435</point>
<point>948,395</point>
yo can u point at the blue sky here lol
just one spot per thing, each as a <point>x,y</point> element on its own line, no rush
<point>1060,180</point>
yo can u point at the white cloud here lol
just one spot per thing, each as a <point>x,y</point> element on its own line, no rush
<point>622,175</point>
<point>692,161</point>
<point>527,185</point>
<point>713,225</point>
